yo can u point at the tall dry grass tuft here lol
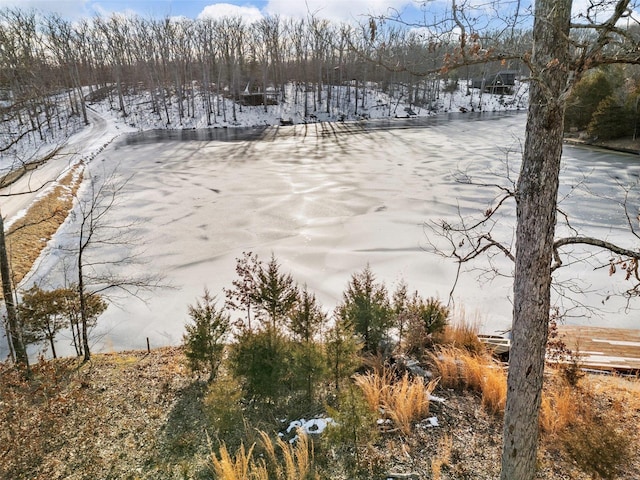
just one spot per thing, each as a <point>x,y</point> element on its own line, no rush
<point>409,401</point>
<point>494,389</point>
<point>462,334</point>
<point>443,458</point>
<point>294,463</point>
<point>238,467</point>
<point>448,367</point>
<point>403,401</point>
<point>375,387</point>
<point>461,369</point>
<point>558,409</point>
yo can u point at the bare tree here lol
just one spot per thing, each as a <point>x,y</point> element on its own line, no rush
<point>102,247</point>
<point>270,32</point>
<point>556,63</point>
<point>230,40</point>
<point>60,35</point>
<point>17,345</point>
<point>115,33</point>
<point>206,53</point>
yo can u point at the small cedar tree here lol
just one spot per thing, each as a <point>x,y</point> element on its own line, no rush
<point>366,306</point>
<point>306,321</point>
<point>204,340</point>
<point>343,348</point>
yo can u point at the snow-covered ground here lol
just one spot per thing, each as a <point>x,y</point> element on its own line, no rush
<point>371,104</point>
<point>81,146</point>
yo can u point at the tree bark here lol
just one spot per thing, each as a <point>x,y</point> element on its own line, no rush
<point>50,337</point>
<point>14,334</point>
<point>84,321</point>
<point>536,198</point>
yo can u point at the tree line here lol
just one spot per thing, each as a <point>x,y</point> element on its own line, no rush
<point>50,67</point>
<point>604,104</point>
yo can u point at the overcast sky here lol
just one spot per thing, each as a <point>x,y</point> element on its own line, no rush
<point>339,10</point>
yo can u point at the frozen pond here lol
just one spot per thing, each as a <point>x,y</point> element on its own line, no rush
<point>328,199</point>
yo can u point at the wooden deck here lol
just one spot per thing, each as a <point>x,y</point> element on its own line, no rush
<point>610,349</point>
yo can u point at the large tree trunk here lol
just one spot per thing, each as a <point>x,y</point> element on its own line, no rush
<point>536,197</point>
<point>14,335</point>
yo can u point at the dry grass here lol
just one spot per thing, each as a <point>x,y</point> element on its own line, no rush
<point>295,462</point>
<point>408,401</point>
<point>558,409</point>
<point>29,235</point>
<point>443,458</point>
<point>462,334</point>
<point>593,425</point>
<point>375,387</point>
<point>494,389</point>
<point>461,369</point>
<point>458,368</point>
<point>238,467</point>
<point>564,404</point>
<point>403,401</point>
<point>464,363</point>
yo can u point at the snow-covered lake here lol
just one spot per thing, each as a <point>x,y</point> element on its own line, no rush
<point>328,199</point>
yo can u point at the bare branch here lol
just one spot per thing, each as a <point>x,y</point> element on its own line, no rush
<point>593,242</point>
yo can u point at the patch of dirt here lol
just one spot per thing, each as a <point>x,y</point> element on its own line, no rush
<point>117,416</point>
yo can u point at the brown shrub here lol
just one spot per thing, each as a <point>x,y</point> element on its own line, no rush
<point>403,401</point>
<point>598,445</point>
<point>462,334</point>
<point>462,369</point>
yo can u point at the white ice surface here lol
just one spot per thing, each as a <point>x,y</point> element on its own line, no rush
<point>327,201</point>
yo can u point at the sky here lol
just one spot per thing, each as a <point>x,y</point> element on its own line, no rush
<point>351,11</point>
<point>336,10</point>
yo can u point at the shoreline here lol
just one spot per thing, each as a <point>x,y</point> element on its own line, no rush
<point>621,145</point>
